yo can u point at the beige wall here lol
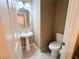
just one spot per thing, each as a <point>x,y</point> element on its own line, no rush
<point>47,22</point>
<point>53,16</point>
<point>60,17</point>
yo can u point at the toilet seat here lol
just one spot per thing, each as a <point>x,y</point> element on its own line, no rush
<point>55,46</point>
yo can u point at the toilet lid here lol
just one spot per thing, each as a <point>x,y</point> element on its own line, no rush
<point>55,45</point>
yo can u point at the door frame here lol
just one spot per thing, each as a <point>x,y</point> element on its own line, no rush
<point>71,30</point>
<point>9,26</point>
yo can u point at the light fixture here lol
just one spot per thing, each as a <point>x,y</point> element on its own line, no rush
<point>20,4</point>
<point>27,4</point>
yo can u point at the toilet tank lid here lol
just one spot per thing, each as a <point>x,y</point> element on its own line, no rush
<point>55,45</point>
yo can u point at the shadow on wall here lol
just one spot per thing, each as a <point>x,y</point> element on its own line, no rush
<point>60,17</point>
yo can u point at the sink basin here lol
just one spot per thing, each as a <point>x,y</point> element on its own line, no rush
<point>26,34</point>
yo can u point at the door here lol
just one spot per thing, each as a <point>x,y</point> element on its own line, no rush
<point>12,47</point>
<point>71,30</point>
<point>4,51</point>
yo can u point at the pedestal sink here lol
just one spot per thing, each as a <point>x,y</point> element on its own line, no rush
<point>26,35</point>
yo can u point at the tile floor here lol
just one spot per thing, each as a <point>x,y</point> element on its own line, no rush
<point>35,53</point>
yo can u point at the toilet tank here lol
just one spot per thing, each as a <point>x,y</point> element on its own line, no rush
<point>59,37</point>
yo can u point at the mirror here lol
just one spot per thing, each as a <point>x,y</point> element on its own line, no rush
<point>24,1</point>
<point>23,16</point>
<point>21,21</point>
<point>26,16</point>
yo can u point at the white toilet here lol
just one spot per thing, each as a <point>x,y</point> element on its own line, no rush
<point>56,45</point>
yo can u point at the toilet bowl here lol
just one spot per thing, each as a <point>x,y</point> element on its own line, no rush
<point>56,45</point>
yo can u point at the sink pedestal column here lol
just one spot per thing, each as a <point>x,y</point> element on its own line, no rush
<point>27,45</point>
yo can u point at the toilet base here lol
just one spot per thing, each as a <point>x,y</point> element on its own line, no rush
<point>55,55</point>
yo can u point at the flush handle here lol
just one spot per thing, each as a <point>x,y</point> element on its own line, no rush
<point>63,43</point>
